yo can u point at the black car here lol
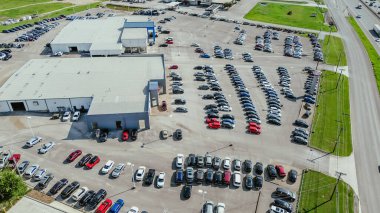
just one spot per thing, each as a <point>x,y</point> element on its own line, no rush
<point>103,136</point>
<point>211,106</point>
<point>58,186</point>
<point>301,123</point>
<point>228,116</point>
<point>21,168</point>
<point>292,175</point>
<point>208,96</point>
<point>86,198</point>
<point>69,189</point>
<point>191,160</point>
<point>258,182</point>
<point>248,166</point>
<point>212,115</point>
<point>187,191</point>
<point>163,45</point>
<point>99,196</point>
<point>283,204</point>
<point>179,101</point>
<point>249,182</point>
<point>218,178</point>
<point>271,171</point>
<point>259,168</point>
<point>133,134</point>
<point>45,181</point>
<point>149,177</point>
<point>209,176</point>
<point>178,134</point>
<point>85,159</point>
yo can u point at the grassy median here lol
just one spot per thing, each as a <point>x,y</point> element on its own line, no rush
<point>316,190</point>
<point>331,122</point>
<point>371,51</point>
<point>291,15</point>
<point>332,48</point>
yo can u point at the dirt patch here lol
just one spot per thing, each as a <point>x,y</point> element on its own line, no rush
<point>40,196</point>
<point>17,123</point>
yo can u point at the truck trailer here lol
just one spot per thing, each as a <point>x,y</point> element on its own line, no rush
<point>376,28</point>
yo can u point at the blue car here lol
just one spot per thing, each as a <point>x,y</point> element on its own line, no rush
<point>179,176</point>
<point>309,100</point>
<point>116,206</point>
<point>205,55</point>
<point>227,120</point>
<point>244,95</point>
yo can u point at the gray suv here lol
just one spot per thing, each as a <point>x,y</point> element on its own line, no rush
<point>285,194</point>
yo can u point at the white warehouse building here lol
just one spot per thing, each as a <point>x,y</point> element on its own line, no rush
<point>116,92</point>
<point>105,37</point>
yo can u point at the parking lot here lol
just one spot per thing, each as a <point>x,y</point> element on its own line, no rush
<point>272,146</point>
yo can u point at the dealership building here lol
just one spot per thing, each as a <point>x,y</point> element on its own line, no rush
<point>116,92</point>
<point>105,37</point>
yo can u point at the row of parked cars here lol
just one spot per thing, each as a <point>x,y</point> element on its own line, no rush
<point>12,45</point>
<point>285,82</point>
<point>273,101</point>
<point>241,37</point>
<point>209,207</point>
<point>18,28</point>
<point>293,46</point>
<point>220,53</point>
<point>318,54</point>
<point>249,108</point>
<point>36,33</point>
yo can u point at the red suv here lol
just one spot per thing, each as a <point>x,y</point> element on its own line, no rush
<point>94,160</point>
<point>227,177</point>
<point>280,171</point>
<point>73,156</point>
<point>104,206</point>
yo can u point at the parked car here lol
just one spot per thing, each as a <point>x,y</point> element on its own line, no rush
<point>227,163</point>
<point>180,161</point>
<point>79,193</point>
<point>85,159</point>
<point>133,134</point>
<point>39,174</point>
<point>70,189</point>
<point>58,186</point>
<point>66,116</point>
<point>99,196</point>
<point>29,173</point>
<point>74,155</point>
<point>292,175</point>
<point>149,177</point>
<point>134,209</point>
<point>124,135</point>
<point>45,180</point>
<point>107,167</point>
<point>116,206</point>
<point>22,166</point>
<point>285,194</point>
<point>280,171</point>
<point>86,198</point>
<point>118,170</point>
<point>104,206</point>
<point>178,134</point>
<point>76,116</point>
<point>271,171</point>
<point>140,173</point>
<point>94,160</point>
<point>161,180</point>
<point>187,191</point>
<point>258,182</point>
<point>33,141</point>
<point>46,147</point>
<point>283,204</point>
<point>208,207</point>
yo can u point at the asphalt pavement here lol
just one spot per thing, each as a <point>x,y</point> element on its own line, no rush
<point>365,112</point>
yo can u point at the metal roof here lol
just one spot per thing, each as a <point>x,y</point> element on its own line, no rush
<point>116,84</point>
<point>134,33</point>
<point>146,24</point>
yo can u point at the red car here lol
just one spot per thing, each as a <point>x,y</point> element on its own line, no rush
<point>254,130</point>
<point>104,206</point>
<point>94,160</point>
<point>227,177</point>
<point>169,42</point>
<point>211,120</point>
<point>280,171</point>
<point>74,155</point>
<point>214,125</point>
<point>254,125</point>
<point>173,67</point>
<point>124,135</point>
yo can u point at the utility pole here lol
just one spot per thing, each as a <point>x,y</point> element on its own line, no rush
<point>340,56</point>
<point>337,141</point>
<point>337,182</point>
<point>257,203</point>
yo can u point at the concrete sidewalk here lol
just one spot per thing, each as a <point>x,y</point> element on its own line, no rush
<point>27,204</point>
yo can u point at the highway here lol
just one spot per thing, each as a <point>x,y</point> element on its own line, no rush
<point>365,112</point>
<point>366,22</point>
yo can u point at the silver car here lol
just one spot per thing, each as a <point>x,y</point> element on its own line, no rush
<point>39,174</point>
<point>46,147</point>
<point>118,170</point>
<point>31,170</point>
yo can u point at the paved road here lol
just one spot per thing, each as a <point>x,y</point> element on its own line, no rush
<point>366,22</point>
<point>365,113</point>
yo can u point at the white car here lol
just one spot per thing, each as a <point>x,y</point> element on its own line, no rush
<point>377,40</point>
<point>236,176</point>
<point>39,174</point>
<point>78,194</point>
<point>76,116</point>
<point>140,173</point>
<point>31,170</point>
<point>276,209</point>
<point>59,53</point>
<point>237,164</point>
<point>225,108</point>
<point>118,170</point>
<point>195,45</point>
<point>33,141</point>
<point>179,161</point>
<point>161,180</point>
<point>4,159</point>
<point>66,116</point>
<point>227,163</point>
<point>107,167</point>
<point>46,147</point>
<point>220,208</point>
<point>134,209</point>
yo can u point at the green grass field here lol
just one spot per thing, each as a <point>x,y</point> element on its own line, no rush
<point>7,4</point>
<point>315,193</point>
<point>290,1</point>
<point>371,51</point>
<point>36,9</point>
<point>278,14</point>
<point>332,114</point>
<point>332,47</point>
<point>66,11</point>
<point>123,8</point>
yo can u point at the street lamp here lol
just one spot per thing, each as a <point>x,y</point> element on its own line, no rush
<point>203,192</point>
<point>30,127</point>
<point>133,178</point>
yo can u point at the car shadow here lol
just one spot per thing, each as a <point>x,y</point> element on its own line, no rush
<point>172,180</point>
<point>174,167</point>
<point>101,173</point>
<point>155,182</point>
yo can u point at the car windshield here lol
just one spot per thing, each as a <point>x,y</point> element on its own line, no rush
<point>106,166</point>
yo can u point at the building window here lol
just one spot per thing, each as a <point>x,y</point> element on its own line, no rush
<point>35,103</point>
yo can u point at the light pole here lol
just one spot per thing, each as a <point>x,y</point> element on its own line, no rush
<point>133,178</point>
<point>30,127</point>
<point>203,192</point>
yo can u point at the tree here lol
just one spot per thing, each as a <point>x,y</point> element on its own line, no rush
<point>290,13</point>
<point>11,185</point>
